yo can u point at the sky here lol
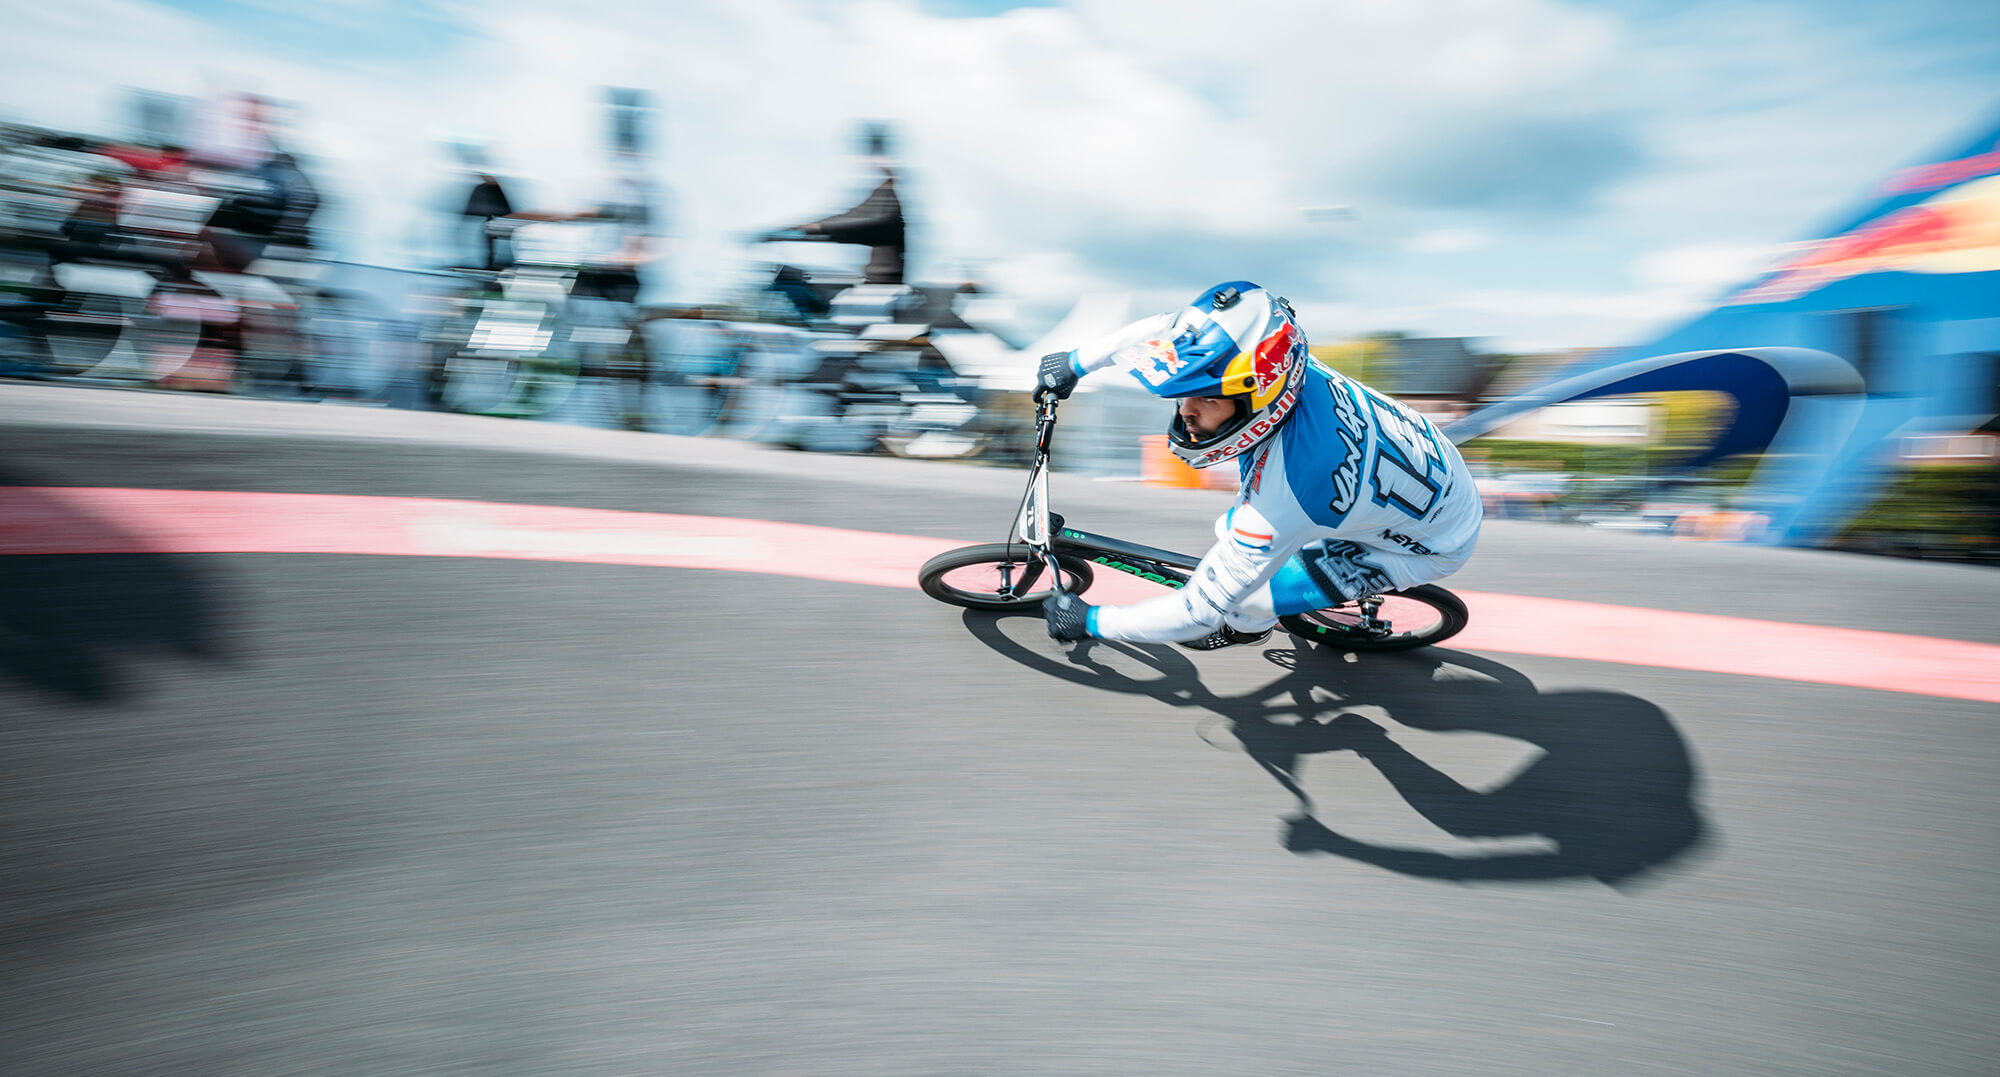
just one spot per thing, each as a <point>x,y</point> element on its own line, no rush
<point>1541,174</point>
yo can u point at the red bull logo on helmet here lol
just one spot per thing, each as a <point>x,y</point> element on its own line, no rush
<point>1262,371</point>
<point>1274,359</point>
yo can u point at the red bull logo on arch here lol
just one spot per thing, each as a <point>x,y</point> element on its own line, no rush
<point>1956,230</point>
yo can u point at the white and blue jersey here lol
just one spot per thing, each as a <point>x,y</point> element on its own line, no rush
<point>1356,494</point>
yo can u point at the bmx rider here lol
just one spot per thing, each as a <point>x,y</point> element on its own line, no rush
<point>1344,491</point>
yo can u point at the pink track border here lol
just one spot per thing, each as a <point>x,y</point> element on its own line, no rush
<point>106,520</point>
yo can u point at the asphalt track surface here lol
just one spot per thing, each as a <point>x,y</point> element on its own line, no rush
<point>316,813</point>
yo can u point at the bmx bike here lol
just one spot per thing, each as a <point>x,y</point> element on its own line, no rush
<point>1009,576</point>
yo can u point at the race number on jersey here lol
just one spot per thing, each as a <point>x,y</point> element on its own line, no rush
<point>1410,468</point>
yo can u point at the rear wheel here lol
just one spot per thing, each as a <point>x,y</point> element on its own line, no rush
<point>1418,617</point>
<point>983,577</point>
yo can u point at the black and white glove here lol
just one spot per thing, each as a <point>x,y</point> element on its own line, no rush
<point>1056,378</point>
<point>1068,616</point>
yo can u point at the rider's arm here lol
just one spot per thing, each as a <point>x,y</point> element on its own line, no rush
<point>1249,553</point>
<point>1060,370</point>
<point>1107,349</point>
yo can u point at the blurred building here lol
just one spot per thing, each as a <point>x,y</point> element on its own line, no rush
<point>1443,377</point>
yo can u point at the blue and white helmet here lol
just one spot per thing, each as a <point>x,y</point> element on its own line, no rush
<point>1235,341</point>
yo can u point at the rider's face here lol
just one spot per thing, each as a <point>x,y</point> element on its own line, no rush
<point>1205,415</point>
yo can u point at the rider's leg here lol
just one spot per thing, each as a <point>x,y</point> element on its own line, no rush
<point>1328,573</point>
<point>1251,622</point>
<point>1333,571</point>
<point>1323,574</point>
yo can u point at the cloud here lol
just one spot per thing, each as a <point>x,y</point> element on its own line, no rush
<point>1668,286</point>
<point>1514,319</point>
<point>1531,165</point>
<point>1701,269</point>
<point>1191,259</point>
<point>1447,241</point>
<point>1152,146</point>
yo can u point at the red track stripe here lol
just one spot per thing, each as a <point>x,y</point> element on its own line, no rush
<point>74,520</point>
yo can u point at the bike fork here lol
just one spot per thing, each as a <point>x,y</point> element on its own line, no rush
<point>1030,572</point>
<point>1055,570</point>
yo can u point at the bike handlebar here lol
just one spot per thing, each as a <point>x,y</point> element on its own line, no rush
<point>1045,422</point>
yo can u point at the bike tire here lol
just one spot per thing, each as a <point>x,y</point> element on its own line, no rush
<point>1432,613</point>
<point>944,577</point>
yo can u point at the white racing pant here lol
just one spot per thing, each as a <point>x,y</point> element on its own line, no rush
<point>1332,571</point>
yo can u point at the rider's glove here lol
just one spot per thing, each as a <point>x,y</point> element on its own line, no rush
<point>1057,377</point>
<point>1068,616</point>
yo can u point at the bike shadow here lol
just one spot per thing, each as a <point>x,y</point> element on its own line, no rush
<point>1611,796</point>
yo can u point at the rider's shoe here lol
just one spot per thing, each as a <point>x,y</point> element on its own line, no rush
<point>1225,637</point>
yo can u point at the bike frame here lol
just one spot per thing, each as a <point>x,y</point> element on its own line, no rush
<point>1045,532</point>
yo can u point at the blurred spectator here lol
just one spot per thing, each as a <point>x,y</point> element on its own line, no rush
<point>274,205</point>
<point>625,239</point>
<point>876,222</point>
<point>488,202</point>
<point>292,199</point>
<point>235,132</point>
<point>626,235</point>
<point>92,226</point>
<point>483,218</point>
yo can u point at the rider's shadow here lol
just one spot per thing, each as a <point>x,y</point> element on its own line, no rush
<point>1610,796</point>
<point>81,627</point>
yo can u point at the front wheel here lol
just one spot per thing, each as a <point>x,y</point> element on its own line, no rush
<point>987,577</point>
<point>1418,617</point>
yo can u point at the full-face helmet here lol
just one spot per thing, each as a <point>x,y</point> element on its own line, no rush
<point>1235,341</point>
